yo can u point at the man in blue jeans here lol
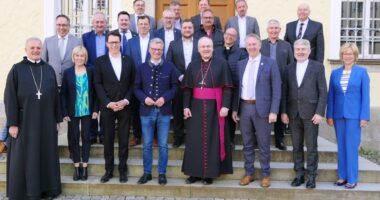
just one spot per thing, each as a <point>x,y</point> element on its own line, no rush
<point>3,139</point>
<point>156,83</point>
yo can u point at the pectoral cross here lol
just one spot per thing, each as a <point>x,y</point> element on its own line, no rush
<point>38,95</point>
<point>202,83</point>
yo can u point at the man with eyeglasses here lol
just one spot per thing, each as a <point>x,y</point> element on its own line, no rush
<point>174,6</point>
<point>113,80</point>
<point>209,29</point>
<point>155,86</point>
<point>198,19</point>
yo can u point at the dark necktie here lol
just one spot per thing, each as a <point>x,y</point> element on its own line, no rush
<point>300,31</point>
<point>124,42</point>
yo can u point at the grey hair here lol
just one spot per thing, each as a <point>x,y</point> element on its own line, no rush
<point>237,1</point>
<point>252,35</point>
<point>167,11</point>
<point>274,21</point>
<point>155,41</point>
<point>302,42</point>
<point>100,13</point>
<point>32,39</point>
<point>202,39</point>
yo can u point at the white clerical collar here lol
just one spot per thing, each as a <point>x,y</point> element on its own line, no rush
<point>115,57</point>
<point>33,61</point>
<point>256,59</point>
<point>66,36</point>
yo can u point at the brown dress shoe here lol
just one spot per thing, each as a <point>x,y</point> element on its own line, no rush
<point>3,147</point>
<point>265,182</point>
<point>134,142</point>
<point>246,180</point>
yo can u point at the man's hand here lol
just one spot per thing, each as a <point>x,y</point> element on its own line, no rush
<point>272,118</point>
<point>66,119</point>
<point>160,102</point>
<point>113,106</point>
<point>223,112</point>
<point>149,101</point>
<point>186,113</point>
<point>121,104</point>
<point>235,116</point>
<point>330,121</point>
<point>363,123</point>
<point>13,131</point>
<point>94,115</point>
<point>58,126</point>
<point>285,118</point>
<point>317,119</point>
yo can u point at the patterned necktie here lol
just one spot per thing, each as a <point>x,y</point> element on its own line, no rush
<point>300,32</point>
<point>124,46</point>
<point>61,46</point>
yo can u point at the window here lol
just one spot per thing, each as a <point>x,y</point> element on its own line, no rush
<point>360,23</point>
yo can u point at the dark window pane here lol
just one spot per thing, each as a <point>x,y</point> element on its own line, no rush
<point>375,9</point>
<point>374,48</point>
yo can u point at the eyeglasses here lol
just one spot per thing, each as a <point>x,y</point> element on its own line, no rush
<point>154,49</point>
<point>229,34</point>
<point>113,43</point>
<point>62,25</point>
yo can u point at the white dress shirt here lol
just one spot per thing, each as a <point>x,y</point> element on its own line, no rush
<point>169,36</point>
<point>144,43</point>
<point>116,64</point>
<point>128,35</point>
<point>242,30</point>
<point>187,51</point>
<point>303,27</point>
<point>301,69</point>
<point>249,78</point>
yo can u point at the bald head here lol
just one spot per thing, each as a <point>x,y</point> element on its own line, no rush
<point>303,12</point>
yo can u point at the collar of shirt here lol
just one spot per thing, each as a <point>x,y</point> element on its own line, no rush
<point>33,61</point>
<point>66,36</point>
<point>270,41</point>
<point>121,31</point>
<point>146,37</point>
<point>169,30</point>
<point>155,63</point>
<point>242,18</point>
<point>304,23</point>
<point>257,59</point>
<point>104,34</point>
<point>187,40</point>
<point>114,57</point>
<point>306,62</point>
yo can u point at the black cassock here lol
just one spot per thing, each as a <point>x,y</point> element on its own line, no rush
<point>202,151</point>
<point>33,161</point>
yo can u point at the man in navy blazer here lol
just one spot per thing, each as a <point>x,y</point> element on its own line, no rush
<point>124,23</point>
<point>181,52</point>
<point>280,51</point>
<point>95,43</point>
<point>155,86</point>
<point>305,28</point>
<point>256,101</point>
<point>168,33</point>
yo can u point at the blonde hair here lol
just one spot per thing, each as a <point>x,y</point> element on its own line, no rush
<point>80,49</point>
<point>347,46</point>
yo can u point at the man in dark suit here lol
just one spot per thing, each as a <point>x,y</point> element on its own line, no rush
<point>305,28</point>
<point>95,43</point>
<point>168,33</point>
<point>303,104</point>
<point>123,23</point>
<point>181,52</point>
<point>280,51</point>
<point>243,24</point>
<point>113,80</point>
<point>208,29</point>
<point>139,8</point>
<point>138,50</point>
<point>257,101</point>
<point>198,19</point>
<point>232,54</point>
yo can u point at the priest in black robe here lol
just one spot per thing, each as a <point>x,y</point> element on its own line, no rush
<point>33,115</point>
<point>207,96</point>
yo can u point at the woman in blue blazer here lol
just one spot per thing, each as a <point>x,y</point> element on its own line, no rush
<point>79,106</point>
<point>348,110</point>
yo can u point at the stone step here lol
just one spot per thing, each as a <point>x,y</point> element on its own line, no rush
<point>228,189</point>
<point>280,171</point>
<point>326,154</point>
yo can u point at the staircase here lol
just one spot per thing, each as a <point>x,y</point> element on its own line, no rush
<point>224,187</point>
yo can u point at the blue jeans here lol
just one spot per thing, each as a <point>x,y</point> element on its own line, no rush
<point>4,134</point>
<point>148,124</point>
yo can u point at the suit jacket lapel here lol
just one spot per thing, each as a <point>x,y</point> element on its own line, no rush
<point>338,77</point>
<point>138,49</point>
<point>307,73</point>
<point>247,25</point>
<point>68,46</point>
<point>181,54</point>
<point>308,28</point>
<point>266,47</point>
<point>110,68</point>
<point>261,67</point>
<point>353,77</point>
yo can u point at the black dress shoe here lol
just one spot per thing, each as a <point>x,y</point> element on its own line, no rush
<point>207,181</point>
<point>101,140</point>
<point>298,181</point>
<point>162,179</point>
<point>123,177</point>
<point>144,178</point>
<point>177,142</point>
<point>84,174</point>
<point>77,174</point>
<point>310,184</point>
<point>106,177</point>
<point>93,141</point>
<point>281,146</point>
<point>192,179</point>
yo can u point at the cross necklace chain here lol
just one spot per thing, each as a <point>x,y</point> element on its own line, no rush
<point>203,75</point>
<point>38,94</point>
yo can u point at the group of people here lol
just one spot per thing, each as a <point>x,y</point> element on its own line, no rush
<point>207,79</point>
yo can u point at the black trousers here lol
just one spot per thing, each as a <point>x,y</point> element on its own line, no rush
<point>304,130</point>
<point>96,128</point>
<point>123,120</point>
<point>178,121</point>
<point>79,127</point>
<point>279,129</point>
<point>231,126</point>
<point>135,118</point>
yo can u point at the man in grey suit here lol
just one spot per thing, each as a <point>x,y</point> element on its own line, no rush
<point>280,51</point>
<point>257,101</point>
<point>57,49</point>
<point>174,6</point>
<point>139,8</point>
<point>303,104</point>
<point>305,28</point>
<point>197,19</point>
<point>242,23</point>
